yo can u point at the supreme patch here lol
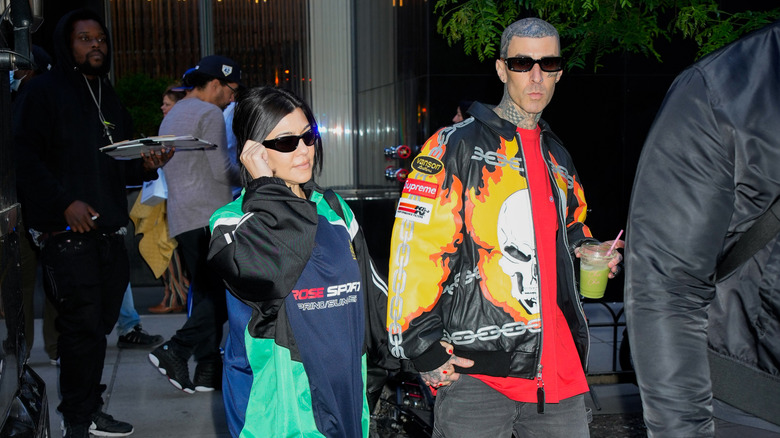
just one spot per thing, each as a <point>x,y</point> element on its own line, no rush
<point>421,188</point>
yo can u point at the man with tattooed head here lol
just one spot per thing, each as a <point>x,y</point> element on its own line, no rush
<point>482,296</point>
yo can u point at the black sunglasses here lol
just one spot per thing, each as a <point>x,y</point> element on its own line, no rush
<point>289,143</point>
<point>526,63</point>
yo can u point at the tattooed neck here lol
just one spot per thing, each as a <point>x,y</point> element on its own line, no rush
<point>508,111</point>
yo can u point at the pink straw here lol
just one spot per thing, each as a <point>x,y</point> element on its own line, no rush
<point>615,242</point>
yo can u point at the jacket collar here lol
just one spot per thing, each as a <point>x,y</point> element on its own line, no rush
<point>484,113</point>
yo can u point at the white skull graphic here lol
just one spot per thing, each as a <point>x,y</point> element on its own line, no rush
<point>516,239</point>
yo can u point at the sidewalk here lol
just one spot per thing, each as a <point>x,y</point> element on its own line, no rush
<point>139,394</point>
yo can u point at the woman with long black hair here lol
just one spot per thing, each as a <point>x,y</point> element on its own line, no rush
<point>295,255</point>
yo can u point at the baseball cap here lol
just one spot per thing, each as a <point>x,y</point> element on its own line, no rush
<point>184,87</point>
<point>219,67</point>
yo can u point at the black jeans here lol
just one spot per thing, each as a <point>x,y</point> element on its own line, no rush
<point>201,335</point>
<point>85,276</point>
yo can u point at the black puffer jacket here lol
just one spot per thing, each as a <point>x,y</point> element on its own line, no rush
<point>709,168</point>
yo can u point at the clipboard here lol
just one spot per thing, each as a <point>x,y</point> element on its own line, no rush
<point>130,149</point>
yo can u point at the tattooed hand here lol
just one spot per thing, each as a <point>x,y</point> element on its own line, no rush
<point>445,374</point>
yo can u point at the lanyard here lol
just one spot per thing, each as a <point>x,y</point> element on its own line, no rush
<point>107,126</point>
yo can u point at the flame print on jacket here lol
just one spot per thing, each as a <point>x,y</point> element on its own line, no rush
<point>479,236</point>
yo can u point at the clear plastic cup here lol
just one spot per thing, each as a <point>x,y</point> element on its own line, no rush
<point>594,269</point>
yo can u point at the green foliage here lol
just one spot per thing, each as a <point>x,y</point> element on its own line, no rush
<point>492,15</point>
<point>142,96</point>
<point>591,29</point>
<point>712,28</point>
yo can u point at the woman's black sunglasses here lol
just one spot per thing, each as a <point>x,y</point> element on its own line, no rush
<point>289,143</point>
<point>524,63</point>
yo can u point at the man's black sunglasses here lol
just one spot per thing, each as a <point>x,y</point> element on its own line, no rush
<point>526,63</point>
<point>289,143</point>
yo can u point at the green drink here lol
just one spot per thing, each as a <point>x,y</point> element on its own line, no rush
<point>593,280</point>
<point>594,269</point>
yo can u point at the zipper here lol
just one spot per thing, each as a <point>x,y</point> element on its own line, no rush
<point>539,391</point>
<point>562,223</point>
<point>539,379</point>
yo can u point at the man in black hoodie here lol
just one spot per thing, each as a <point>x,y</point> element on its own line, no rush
<point>74,202</point>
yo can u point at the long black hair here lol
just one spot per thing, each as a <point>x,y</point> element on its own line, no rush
<point>258,111</point>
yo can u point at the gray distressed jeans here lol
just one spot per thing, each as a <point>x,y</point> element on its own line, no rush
<point>469,408</point>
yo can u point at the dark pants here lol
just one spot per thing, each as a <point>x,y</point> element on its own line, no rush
<point>85,276</point>
<point>469,408</point>
<point>201,335</point>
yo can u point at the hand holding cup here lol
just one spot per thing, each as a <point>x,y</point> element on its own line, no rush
<point>595,267</point>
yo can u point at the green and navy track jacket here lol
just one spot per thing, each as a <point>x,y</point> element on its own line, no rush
<point>264,245</point>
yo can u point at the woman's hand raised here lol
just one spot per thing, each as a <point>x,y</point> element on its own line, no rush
<point>255,158</point>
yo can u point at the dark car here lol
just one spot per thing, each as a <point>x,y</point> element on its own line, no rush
<point>24,410</point>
